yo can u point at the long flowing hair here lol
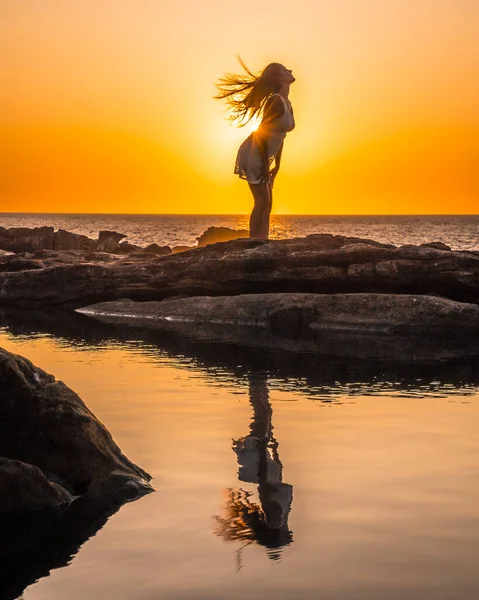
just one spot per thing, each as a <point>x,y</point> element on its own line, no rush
<point>246,94</point>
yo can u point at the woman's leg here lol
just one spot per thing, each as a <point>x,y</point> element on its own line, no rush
<point>259,219</point>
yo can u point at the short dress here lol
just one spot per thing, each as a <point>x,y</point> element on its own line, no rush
<point>249,165</point>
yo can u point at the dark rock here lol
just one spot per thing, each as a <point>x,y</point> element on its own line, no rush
<point>20,264</point>
<point>32,543</point>
<point>176,249</point>
<point>321,264</point>
<point>158,250</point>
<point>436,245</point>
<point>65,240</point>
<point>113,235</point>
<point>108,245</point>
<point>364,326</point>
<point>220,234</point>
<point>45,424</point>
<point>25,487</point>
<point>127,248</point>
<point>299,314</point>
<point>24,239</point>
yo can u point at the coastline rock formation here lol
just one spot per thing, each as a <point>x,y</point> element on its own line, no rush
<point>319,264</point>
<point>52,447</point>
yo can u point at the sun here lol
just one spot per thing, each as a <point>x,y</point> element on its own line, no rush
<point>254,123</point>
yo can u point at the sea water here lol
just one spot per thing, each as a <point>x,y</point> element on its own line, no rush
<point>458,231</point>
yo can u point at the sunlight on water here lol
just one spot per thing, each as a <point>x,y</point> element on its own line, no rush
<point>460,232</point>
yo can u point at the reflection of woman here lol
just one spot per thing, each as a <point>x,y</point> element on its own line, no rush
<point>259,462</point>
<point>250,96</point>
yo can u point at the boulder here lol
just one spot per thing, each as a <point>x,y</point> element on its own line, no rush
<point>220,234</point>
<point>24,239</point>
<point>127,248</point>
<point>25,487</point>
<point>108,245</point>
<point>110,235</point>
<point>158,250</point>
<point>43,423</point>
<point>66,240</point>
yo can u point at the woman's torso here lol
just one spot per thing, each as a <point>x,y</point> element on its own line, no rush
<point>275,130</point>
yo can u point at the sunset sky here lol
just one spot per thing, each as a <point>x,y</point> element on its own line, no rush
<point>106,105</point>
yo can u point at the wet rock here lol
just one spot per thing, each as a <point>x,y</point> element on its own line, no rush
<point>220,234</point>
<point>300,314</point>
<point>25,487</point>
<point>45,424</point>
<point>383,327</point>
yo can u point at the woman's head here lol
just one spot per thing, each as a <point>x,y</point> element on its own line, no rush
<point>246,94</point>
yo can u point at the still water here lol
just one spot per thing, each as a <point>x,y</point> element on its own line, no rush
<point>277,477</point>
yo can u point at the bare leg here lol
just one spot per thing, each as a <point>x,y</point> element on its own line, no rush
<point>267,213</point>
<point>259,219</point>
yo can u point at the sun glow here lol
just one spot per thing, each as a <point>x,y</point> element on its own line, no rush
<point>254,123</point>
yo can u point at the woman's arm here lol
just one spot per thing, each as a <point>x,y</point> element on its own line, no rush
<point>277,159</point>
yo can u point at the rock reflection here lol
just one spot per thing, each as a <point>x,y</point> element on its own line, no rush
<point>34,543</point>
<point>266,522</point>
<point>322,376</point>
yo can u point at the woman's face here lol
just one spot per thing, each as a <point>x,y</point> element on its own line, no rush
<point>286,75</point>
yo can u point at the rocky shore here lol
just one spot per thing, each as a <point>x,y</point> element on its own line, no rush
<point>61,474</point>
<point>292,288</point>
<point>331,302</point>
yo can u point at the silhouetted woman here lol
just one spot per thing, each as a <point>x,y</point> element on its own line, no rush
<point>266,96</point>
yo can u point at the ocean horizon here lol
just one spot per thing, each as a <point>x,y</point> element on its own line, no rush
<point>457,231</point>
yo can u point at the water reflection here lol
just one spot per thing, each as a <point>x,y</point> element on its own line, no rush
<point>266,522</point>
<point>324,377</point>
<point>33,544</point>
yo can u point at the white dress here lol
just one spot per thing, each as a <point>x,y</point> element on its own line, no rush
<point>249,165</point>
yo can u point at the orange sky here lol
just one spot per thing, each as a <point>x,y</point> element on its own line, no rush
<point>106,106</point>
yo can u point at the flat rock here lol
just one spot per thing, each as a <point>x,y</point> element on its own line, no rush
<point>309,316</point>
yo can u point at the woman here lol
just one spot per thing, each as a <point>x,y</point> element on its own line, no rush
<point>266,95</point>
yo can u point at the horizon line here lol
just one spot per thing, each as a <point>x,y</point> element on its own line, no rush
<point>242,214</point>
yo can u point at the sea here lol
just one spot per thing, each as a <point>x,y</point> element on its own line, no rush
<point>457,231</point>
<point>278,476</point>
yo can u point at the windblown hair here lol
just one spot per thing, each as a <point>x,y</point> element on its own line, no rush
<point>247,94</point>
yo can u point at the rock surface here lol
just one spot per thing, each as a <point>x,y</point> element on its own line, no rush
<point>321,264</point>
<point>25,487</point>
<point>45,424</point>
<point>299,314</point>
<point>220,234</point>
<point>375,326</point>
